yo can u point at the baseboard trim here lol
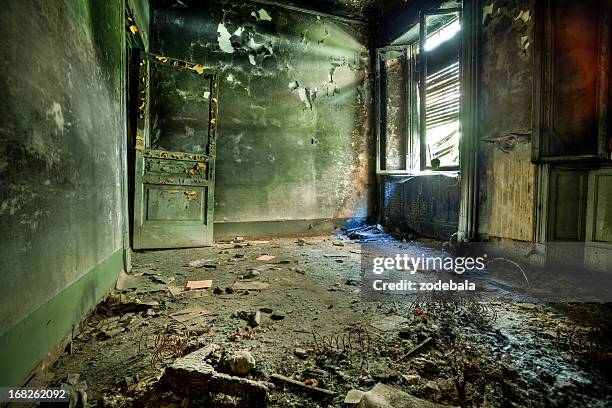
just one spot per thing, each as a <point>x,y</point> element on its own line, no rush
<point>35,338</point>
<point>289,228</point>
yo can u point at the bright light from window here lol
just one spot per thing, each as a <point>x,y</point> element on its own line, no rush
<point>442,35</point>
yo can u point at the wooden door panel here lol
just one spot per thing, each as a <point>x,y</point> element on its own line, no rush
<point>571,81</point>
<point>175,154</point>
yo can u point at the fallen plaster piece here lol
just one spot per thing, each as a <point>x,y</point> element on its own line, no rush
<point>199,284</point>
<point>266,258</point>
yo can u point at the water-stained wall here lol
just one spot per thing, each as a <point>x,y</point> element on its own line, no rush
<point>60,166</point>
<point>294,139</point>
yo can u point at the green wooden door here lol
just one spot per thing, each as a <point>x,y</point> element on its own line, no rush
<point>175,154</point>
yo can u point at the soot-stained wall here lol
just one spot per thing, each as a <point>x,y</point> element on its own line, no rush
<point>60,164</point>
<point>294,134</point>
<point>507,176</point>
<point>427,205</point>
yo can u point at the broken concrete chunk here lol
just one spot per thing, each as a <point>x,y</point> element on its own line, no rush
<point>383,396</point>
<point>192,377</point>
<point>240,362</point>
<point>253,318</point>
<point>412,379</point>
<point>354,396</point>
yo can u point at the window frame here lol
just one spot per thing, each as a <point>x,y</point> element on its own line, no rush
<point>422,58</point>
<point>415,116</point>
<point>410,135</point>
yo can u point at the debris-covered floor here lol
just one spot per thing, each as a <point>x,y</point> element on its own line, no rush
<point>292,328</point>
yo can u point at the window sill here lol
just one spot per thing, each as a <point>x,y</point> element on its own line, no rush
<point>424,173</point>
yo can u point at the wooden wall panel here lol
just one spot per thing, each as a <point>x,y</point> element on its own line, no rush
<point>513,196</point>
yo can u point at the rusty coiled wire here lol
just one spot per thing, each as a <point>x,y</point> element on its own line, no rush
<point>356,339</point>
<point>168,343</point>
<point>451,305</point>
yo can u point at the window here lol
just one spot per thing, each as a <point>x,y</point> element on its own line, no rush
<point>418,97</point>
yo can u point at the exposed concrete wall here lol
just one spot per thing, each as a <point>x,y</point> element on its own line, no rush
<point>507,177</point>
<point>294,135</point>
<point>60,144</point>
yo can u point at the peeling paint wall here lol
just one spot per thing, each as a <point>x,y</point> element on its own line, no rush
<point>507,177</point>
<point>294,134</point>
<point>60,143</point>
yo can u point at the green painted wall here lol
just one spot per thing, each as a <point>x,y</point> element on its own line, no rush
<point>60,168</point>
<point>294,136</point>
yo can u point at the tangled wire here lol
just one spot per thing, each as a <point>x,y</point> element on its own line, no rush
<point>452,306</point>
<point>168,343</point>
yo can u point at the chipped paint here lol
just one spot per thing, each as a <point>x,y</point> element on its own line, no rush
<point>261,15</point>
<point>58,117</point>
<point>224,39</point>
<point>524,15</point>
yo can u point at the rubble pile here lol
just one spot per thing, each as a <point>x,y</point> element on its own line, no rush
<point>297,334</point>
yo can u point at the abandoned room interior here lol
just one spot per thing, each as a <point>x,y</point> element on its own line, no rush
<point>306,203</point>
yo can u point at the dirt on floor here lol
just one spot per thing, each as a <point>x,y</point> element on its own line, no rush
<point>311,338</point>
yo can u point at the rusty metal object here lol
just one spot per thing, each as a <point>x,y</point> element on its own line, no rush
<point>356,339</point>
<point>166,343</point>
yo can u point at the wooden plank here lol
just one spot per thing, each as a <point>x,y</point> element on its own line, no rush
<point>301,386</point>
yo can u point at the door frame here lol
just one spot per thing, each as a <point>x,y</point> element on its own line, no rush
<point>132,44</point>
<point>151,234</point>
